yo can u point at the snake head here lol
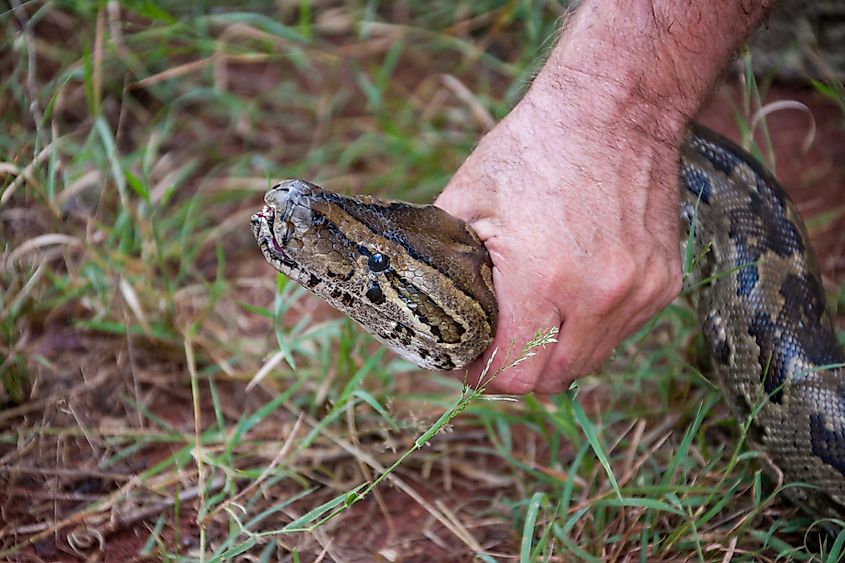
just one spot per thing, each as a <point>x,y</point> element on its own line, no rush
<point>303,234</point>
<point>417,278</point>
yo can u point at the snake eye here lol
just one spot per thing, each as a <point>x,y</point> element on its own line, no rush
<point>378,262</point>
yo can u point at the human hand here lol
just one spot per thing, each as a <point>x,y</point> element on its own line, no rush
<point>580,216</point>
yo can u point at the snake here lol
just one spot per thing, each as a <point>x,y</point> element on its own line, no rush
<point>420,280</point>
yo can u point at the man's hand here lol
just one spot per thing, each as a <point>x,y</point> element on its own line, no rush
<point>575,192</point>
<point>582,228</point>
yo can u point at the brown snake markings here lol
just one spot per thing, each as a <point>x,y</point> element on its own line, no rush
<point>421,281</point>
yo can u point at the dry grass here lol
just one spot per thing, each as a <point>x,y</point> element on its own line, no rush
<point>167,395</point>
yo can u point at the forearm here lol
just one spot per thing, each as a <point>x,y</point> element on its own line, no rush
<point>649,63</point>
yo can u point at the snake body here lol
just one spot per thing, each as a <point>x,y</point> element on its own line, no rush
<point>420,280</point>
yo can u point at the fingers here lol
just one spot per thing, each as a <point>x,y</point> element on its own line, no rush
<point>595,304</point>
<point>582,347</point>
<point>593,326</point>
<point>581,238</point>
<point>522,312</point>
<point>589,336</point>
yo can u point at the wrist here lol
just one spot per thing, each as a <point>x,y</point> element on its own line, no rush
<point>594,110</point>
<point>608,67</point>
<point>600,129</point>
<point>596,153</point>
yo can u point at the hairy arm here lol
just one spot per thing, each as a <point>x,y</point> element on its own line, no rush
<point>575,192</point>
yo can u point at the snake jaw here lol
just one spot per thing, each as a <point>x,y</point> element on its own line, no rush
<point>260,219</point>
<point>277,221</point>
<point>262,229</point>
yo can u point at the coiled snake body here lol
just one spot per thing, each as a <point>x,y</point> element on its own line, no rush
<point>420,280</point>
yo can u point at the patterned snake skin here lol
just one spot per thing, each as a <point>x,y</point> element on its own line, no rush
<point>420,281</point>
<point>764,318</point>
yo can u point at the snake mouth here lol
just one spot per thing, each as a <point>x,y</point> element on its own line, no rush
<point>265,216</point>
<point>262,229</point>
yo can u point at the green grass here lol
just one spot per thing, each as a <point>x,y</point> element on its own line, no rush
<point>167,393</point>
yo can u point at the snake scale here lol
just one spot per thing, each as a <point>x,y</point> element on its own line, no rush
<point>420,280</point>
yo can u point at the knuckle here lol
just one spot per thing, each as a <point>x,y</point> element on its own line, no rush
<point>559,368</point>
<point>673,287</point>
<point>661,285</point>
<point>669,284</point>
<point>622,279</point>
